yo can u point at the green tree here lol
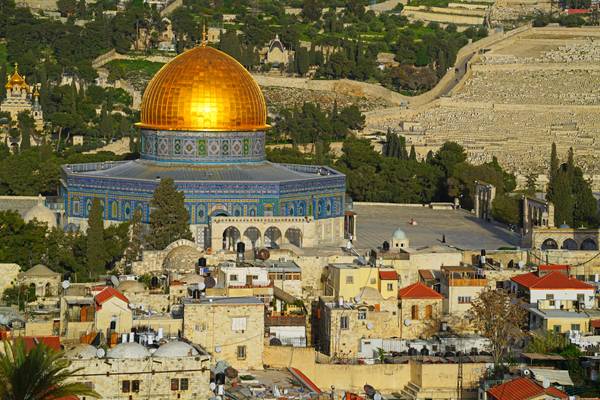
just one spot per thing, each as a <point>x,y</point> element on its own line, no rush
<point>40,373</point>
<point>301,61</point>
<point>134,250</point>
<point>554,164</point>
<point>311,10</point>
<point>22,242</point>
<point>450,154</point>
<point>413,153</point>
<point>19,296</point>
<point>67,7</point>
<point>26,126</point>
<point>169,218</point>
<point>96,250</point>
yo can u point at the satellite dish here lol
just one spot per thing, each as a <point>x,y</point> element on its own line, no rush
<point>218,349</point>
<point>275,342</point>
<point>263,254</point>
<point>377,396</point>
<point>212,386</point>
<point>201,286</point>
<point>209,282</point>
<point>114,280</point>
<point>370,326</point>
<point>65,284</point>
<point>526,372</point>
<point>407,322</point>
<point>546,383</point>
<point>100,353</point>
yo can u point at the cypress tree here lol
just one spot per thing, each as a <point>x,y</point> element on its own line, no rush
<point>552,172</point>
<point>169,219</point>
<point>134,250</point>
<point>3,80</point>
<point>402,153</point>
<point>413,153</point>
<point>564,203</point>
<point>96,251</point>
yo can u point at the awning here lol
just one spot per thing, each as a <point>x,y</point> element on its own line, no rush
<point>558,376</point>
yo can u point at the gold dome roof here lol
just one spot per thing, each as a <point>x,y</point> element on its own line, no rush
<point>203,89</point>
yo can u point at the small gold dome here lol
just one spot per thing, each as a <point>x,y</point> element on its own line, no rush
<point>203,89</point>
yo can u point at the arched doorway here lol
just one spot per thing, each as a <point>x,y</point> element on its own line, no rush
<point>252,235</point>
<point>569,244</point>
<point>589,244</point>
<point>549,244</point>
<point>272,237</point>
<point>294,236</point>
<point>231,236</point>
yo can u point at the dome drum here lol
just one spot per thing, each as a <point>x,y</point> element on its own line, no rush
<point>202,147</point>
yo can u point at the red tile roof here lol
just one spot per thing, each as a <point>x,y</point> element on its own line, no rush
<point>553,280</point>
<point>595,323</point>
<point>523,389</point>
<point>107,294</point>
<point>388,275</point>
<point>418,291</point>
<point>52,342</point>
<point>426,274</point>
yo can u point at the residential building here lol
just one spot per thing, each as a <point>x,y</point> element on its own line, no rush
<point>230,328</point>
<point>347,281</point>
<point>460,286</point>
<point>45,281</point>
<point>525,389</point>
<point>420,310</point>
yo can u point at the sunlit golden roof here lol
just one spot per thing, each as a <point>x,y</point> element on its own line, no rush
<point>203,89</point>
<point>16,79</point>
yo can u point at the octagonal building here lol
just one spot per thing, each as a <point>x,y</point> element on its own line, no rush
<point>203,123</point>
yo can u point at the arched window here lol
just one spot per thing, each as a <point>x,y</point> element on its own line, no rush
<point>549,244</point>
<point>589,244</point>
<point>114,210</point>
<point>414,312</point>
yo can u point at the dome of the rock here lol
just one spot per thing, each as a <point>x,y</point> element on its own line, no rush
<point>203,89</point>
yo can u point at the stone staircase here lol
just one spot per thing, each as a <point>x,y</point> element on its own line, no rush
<point>410,391</point>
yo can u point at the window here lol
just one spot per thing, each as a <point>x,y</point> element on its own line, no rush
<point>362,314</point>
<point>556,328</point>
<point>344,322</point>
<point>549,297</point>
<point>233,277</point>
<point>575,327</point>
<point>390,287</point>
<point>130,386</point>
<point>464,299</point>
<point>428,311</point>
<point>241,352</point>
<point>414,312</point>
<point>174,384</point>
<point>350,279</point>
<point>238,324</point>
<point>184,384</point>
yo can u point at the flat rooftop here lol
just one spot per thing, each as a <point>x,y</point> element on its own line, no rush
<point>248,300</point>
<point>377,223</point>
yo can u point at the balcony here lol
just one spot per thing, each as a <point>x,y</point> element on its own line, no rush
<point>468,282</point>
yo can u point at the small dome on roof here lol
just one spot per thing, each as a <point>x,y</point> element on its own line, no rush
<point>564,226</point>
<point>41,213</point>
<point>182,258</point>
<point>128,351</point>
<point>131,287</point>
<point>399,234</point>
<point>82,351</point>
<point>175,348</point>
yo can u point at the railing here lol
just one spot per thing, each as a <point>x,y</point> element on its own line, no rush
<point>285,320</point>
<point>468,282</point>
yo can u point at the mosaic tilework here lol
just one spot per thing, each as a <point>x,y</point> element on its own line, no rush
<point>202,147</point>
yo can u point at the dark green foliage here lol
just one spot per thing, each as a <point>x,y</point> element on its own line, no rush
<point>96,253</point>
<point>22,243</point>
<point>18,296</point>
<point>134,250</point>
<point>26,126</point>
<point>169,219</point>
<point>52,373</point>
<point>506,209</point>
<point>571,194</point>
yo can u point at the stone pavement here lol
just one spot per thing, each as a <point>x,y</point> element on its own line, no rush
<point>377,222</point>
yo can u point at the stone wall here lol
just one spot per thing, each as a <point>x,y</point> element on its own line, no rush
<point>8,276</point>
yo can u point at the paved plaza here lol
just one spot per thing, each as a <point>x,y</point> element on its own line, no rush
<point>377,222</point>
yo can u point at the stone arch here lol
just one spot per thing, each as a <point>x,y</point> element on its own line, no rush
<point>181,255</point>
<point>272,237</point>
<point>569,244</point>
<point>182,242</point>
<point>231,236</point>
<point>47,289</point>
<point>252,236</point>
<point>589,244</point>
<point>549,244</point>
<point>294,236</point>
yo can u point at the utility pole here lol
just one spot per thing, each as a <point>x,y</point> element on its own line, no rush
<point>459,377</point>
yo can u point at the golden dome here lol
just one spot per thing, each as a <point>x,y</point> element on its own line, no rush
<point>16,79</point>
<point>203,89</point>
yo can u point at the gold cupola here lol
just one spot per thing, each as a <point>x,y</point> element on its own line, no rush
<point>203,89</point>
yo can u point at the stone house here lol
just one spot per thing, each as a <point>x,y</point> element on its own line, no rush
<point>346,281</point>
<point>176,370</point>
<point>420,307</point>
<point>8,278</point>
<point>230,328</point>
<point>45,281</point>
<point>112,312</point>
<point>340,325</point>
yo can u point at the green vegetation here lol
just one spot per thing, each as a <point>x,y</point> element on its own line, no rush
<point>19,296</point>
<point>38,373</point>
<point>571,194</point>
<point>132,70</point>
<point>169,219</point>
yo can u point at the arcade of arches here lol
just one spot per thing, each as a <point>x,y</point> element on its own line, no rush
<point>566,239</point>
<point>253,238</point>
